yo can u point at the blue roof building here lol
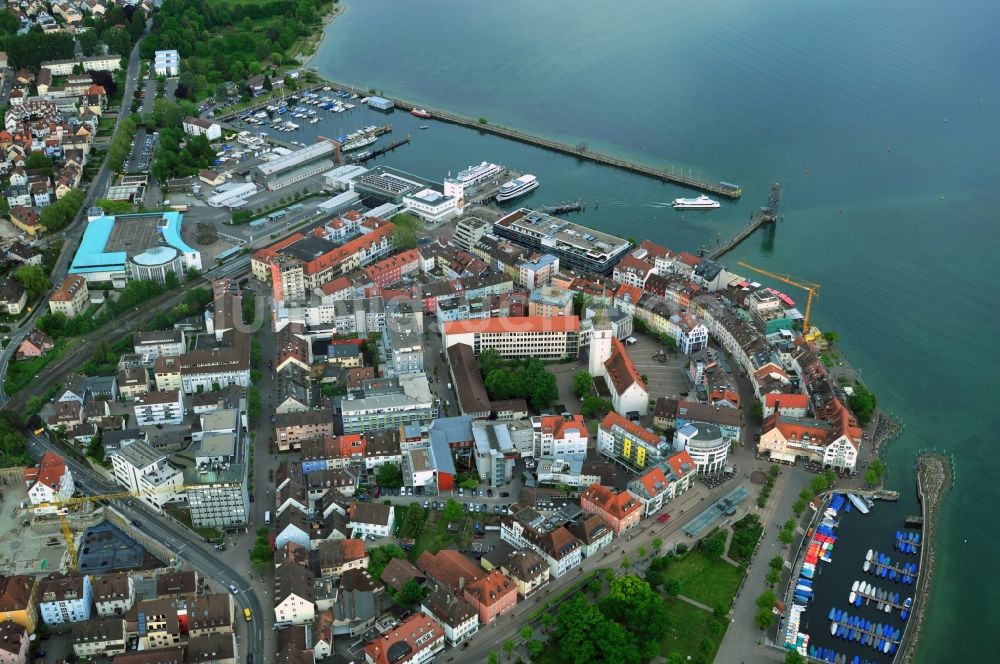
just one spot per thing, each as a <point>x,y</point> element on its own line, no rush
<point>109,242</point>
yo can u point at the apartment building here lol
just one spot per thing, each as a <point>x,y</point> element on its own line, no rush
<point>99,638</point>
<point>559,435</point>
<point>531,336</point>
<point>550,301</point>
<point>416,640</point>
<point>158,408</point>
<point>291,429</point>
<point>114,594</point>
<point>64,598</point>
<point>625,441</point>
<point>370,519</point>
<point>294,595</point>
<point>491,595</point>
<point>159,343</point>
<point>144,471</point>
<point>459,620</point>
<point>71,298</point>
<point>167,373</point>
<point>619,510</point>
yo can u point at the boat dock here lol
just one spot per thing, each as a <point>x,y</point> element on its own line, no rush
<point>904,573</point>
<point>361,158</point>
<point>768,214</point>
<point>871,595</point>
<point>581,151</point>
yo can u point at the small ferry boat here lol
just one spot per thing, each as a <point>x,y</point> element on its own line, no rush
<point>700,203</point>
<point>425,126</point>
<point>517,188</point>
<point>421,113</point>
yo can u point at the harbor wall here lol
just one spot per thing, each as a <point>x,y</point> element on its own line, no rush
<point>580,151</point>
<point>934,478</point>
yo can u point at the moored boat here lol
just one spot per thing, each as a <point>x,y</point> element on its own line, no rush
<point>517,188</point>
<point>421,113</point>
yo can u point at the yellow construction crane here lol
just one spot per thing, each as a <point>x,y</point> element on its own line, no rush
<point>810,288</point>
<point>61,507</point>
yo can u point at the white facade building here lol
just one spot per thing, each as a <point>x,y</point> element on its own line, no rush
<point>154,408</point>
<point>144,471</point>
<point>167,63</point>
<point>64,598</point>
<point>706,445</point>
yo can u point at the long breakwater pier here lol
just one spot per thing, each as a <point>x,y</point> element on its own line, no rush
<point>581,151</point>
<point>767,214</point>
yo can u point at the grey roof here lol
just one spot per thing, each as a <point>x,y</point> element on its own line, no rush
<point>140,455</point>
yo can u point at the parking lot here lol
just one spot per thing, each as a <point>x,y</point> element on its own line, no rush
<point>665,378</point>
<point>141,156</point>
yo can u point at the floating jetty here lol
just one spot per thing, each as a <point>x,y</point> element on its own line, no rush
<point>380,151</point>
<point>882,566</point>
<point>908,542</point>
<point>865,593</point>
<point>883,638</point>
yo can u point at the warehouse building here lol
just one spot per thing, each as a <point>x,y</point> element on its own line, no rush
<point>296,166</point>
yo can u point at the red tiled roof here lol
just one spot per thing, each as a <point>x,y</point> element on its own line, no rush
<point>50,470</point>
<point>491,588</point>
<point>449,567</point>
<point>335,285</point>
<point>520,325</point>
<point>654,480</point>
<point>677,463</point>
<point>618,505</point>
<point>689,259</point>
<point>633,265</point>
<point>786,400</point>
<point>558,426</point>
<point>634,293</point>
<point>647,436</point>
<point>621,370</point>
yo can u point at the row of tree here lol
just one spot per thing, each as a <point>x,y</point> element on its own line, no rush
<point>60,214</point>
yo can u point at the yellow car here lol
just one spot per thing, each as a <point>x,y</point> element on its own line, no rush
<point>246,613</point>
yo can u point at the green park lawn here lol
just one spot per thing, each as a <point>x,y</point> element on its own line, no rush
<point>704,579</point>
<point>693,633</point>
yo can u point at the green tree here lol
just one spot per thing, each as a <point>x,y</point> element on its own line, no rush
<point>34,278</point>
<point>254,403</point>
<point>526,632</point>
<point>536,648</point>
<point>594,406</point>
<point>508,647</point>
<point>657,545</point>
<point>547,620</point>
<point>714,546</point>
<point>582,382</point>
<point>672,587</point>
<point>404,231</point>
<point>489,361</point>
<point>411,593</point>
<point>389,475</point>
<point>776,563</point>
<point>413,522</point>
<point>862,403</point>
<point>786,536</point>
<point>379,557</point>
<point>764,618</point>
<point>452,511</point>
<point>793,657</point>
<point>831,336</point>
<point>766,599</point>
<point>492,659</point>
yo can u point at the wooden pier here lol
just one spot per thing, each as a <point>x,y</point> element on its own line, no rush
<point>870,597</point>
<point>361,158</point>
<point>581,151</point>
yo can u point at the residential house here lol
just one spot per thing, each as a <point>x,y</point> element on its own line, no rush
<point>211,613</point>
<point>291,429</point>
<point>370,519</point>
<point>292,526</point>
<point>527,570</point>
<point>36,344</point>
<point>199,127</point>
<point>416,640</point>
<point>99,638</point>
<point>338,556</point>
<point>294,596</point>
<point>159,408</point>
<point>13,297</point>
<point>491,595</point>
<point>398,572</point>
<point>133,382</point>
<point>114,594</point>
<point>51,480</point>
<point>18,601</point>
<point>14,643</point>
<point>559,435</point>
<point>593,534</point>
<point>159,343</point>
<point>459,620</point>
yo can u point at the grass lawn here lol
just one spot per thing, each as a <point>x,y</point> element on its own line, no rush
<point>24,371</point>
<point>709,581</point>
<point>693,633</point>
<point>436,536</point>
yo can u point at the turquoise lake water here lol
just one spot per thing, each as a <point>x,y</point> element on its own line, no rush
<point>879,118</point>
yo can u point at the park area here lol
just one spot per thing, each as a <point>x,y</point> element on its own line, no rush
<point>711,581</point>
